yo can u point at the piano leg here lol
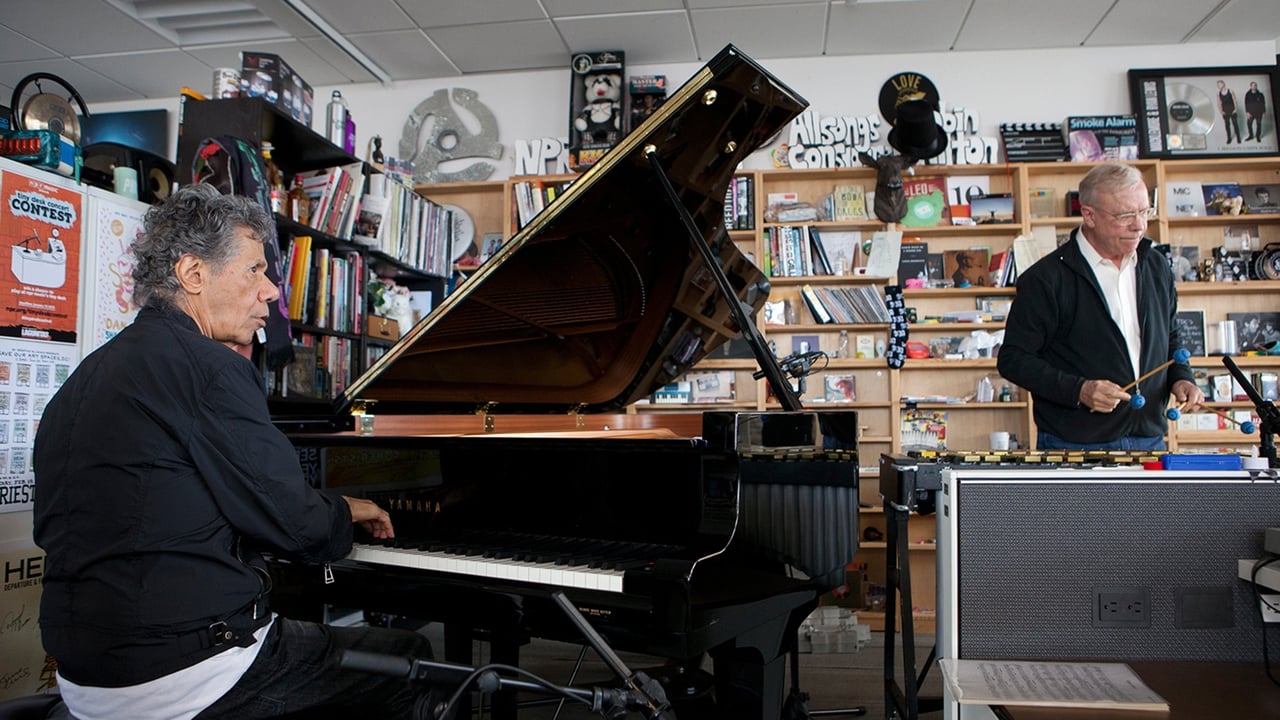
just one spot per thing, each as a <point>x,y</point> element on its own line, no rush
<point>750,670</point>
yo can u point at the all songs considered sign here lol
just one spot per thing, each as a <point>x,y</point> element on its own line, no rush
<point>39,258</point>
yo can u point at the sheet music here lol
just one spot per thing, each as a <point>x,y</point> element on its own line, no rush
<point>1053,684</point>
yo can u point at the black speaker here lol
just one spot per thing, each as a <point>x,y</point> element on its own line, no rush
<point>156,175</point>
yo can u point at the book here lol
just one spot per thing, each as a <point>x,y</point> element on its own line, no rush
<point>821,263</point>
<point>1190,328</point>
<point>301,373</point>
<point>848,203</point>
<point>1222,198</point>
<point>1096,686</point>
<point>913,262</point>
<point>967,268</point>
<point>1261,198</point>
<point>1094,138</point>
<point>839,388</point>
<point>926,202</point>
<point>1184,199</point>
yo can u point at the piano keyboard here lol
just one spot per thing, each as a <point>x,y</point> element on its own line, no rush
<point>600,567</point>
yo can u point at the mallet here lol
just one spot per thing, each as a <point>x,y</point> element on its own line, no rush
<point>1247,427</point>
<point>1181,356</point>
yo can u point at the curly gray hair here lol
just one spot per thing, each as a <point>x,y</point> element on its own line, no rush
<point>197,220</point>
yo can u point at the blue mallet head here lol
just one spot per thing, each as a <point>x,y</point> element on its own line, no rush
<point>1247,427</point>
<point>1137,401</point>
<point>1182,356</point>
<point>1173,414</point>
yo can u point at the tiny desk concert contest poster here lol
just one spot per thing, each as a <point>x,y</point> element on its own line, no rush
<point>39,258</point>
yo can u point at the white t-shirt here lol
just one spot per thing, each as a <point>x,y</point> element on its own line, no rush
<point>177,696</point>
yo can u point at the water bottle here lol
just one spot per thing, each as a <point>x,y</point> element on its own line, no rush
<point>336,119</point>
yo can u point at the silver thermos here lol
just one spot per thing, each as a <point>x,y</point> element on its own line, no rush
<point>336,119</point>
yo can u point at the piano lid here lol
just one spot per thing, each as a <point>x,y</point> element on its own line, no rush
<point>601,299</point>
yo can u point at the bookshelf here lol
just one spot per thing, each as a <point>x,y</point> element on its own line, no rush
<point>879,390</point>
<point>331,321</point>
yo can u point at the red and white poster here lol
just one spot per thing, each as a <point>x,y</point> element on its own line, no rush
<point>39,258</point>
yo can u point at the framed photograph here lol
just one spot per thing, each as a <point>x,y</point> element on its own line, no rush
<point>1205,112</point>
<point>1255,329</point>
<point>992,209</point>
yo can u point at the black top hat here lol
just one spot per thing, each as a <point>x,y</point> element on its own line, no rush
<point>915,134</point>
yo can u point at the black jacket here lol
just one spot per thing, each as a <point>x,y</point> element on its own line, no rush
<point>1059,334</point>
<point>158,479</point>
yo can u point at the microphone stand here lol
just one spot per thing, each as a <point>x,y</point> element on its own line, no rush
<point>1268,413</point>
<point>640,692</point>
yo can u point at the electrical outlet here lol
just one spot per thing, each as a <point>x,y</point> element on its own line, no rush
<point>1121,607</point>
<point>1270,608</point>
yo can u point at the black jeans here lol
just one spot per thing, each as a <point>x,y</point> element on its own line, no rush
<point>296,674</point>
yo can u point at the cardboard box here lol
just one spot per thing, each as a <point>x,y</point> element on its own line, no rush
<point>267,75</point>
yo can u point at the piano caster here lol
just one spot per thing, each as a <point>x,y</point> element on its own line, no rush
<point>690,691</point>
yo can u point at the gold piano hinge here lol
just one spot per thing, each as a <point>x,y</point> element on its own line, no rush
<point>487,411</point>
<point>579,421</point>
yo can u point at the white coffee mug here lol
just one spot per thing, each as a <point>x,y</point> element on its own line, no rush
<point>1000,440</point>
<point>126,182</point>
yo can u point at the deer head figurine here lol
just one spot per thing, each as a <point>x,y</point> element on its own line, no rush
<point>890,205</point>
<point>917,137</point>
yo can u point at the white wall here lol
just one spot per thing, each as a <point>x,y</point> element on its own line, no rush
<point>1003,86</point>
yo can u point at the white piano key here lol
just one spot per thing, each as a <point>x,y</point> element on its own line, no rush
<point>544,573</point>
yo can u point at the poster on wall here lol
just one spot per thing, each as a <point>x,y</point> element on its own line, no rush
<point>39,258</point>
<point>25,668</point>
<point>30,373</point>
<point>113,225</point>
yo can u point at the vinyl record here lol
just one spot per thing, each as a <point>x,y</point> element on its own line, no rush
<point>50,112</point>
<point>1266,264</point>
<point>1190,109</point>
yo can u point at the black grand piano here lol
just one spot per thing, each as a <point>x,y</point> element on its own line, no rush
<point>502,448</point>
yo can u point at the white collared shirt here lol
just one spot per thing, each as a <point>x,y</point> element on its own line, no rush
<point>1120,288</point>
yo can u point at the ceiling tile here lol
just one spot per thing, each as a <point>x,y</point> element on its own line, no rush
<point>160,73</point>
<point>361,17</point>
<point>987,27</point>
<point>647,38</point>
<point>572,8</point>
<point>1127,17</point>
<point>765,32</point>
<point>77,27</point>
<point>14,46</point>
<point>708,4</point>
<point>1242,20</point>
<point>895,27</point>
<point>502,46</point>
<point>443,13</point>
<point>405,54</point>
<point>92,86</point>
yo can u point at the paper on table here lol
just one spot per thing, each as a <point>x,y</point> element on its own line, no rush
<point>1052,684</point>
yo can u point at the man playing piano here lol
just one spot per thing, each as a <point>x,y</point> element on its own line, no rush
<point>160,480</point>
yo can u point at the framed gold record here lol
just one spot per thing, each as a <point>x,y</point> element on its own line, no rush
<point>1205,112</point>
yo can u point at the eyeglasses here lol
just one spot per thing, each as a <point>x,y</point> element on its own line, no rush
<point>1127,217</point>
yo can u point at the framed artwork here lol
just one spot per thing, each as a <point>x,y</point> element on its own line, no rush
<point>1205,112</point>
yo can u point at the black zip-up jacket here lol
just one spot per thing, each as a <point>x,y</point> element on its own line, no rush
<point>158,478</point>
<point>1059,334</point>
